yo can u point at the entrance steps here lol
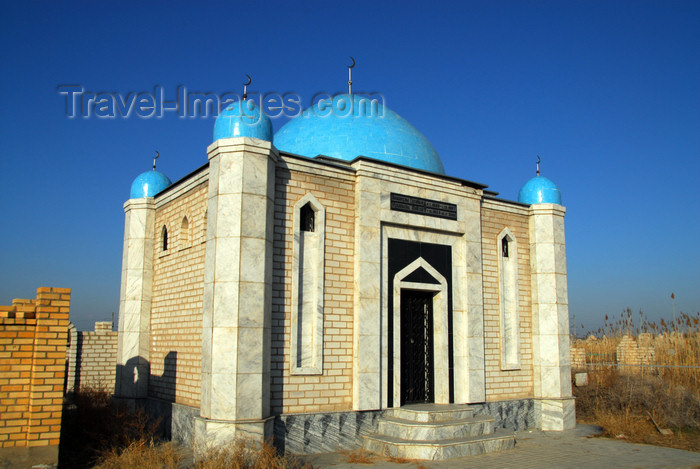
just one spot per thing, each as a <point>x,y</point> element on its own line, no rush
<point>435,432</point>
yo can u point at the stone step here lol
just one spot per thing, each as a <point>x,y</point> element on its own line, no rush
<point>431,412</point>
<point>412,430</point>
<point>440,449</point>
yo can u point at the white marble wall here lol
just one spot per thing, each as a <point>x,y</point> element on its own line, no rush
<point>440,328</point>
<point>135,299</point>
<point>375,223</point>
<point>308,261</point>
<point>550,305</point>
<point>366,372</point>
<point>237,290</point>
<point>508,298</point>
<point>468,313</point>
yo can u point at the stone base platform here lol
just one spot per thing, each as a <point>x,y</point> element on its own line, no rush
<point>436,432</point>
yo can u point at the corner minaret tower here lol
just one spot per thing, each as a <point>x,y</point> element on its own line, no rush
<point>554,404</point>
<point>236,350</point>
<point>137,284</point>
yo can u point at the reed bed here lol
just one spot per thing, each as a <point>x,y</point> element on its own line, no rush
<point>642,375</point>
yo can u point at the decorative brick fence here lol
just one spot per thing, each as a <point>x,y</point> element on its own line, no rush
<point>578,358</point>
<point>636,352</point>
<point>629,352</point>
<point>92,358</point>
<point>33,337</point>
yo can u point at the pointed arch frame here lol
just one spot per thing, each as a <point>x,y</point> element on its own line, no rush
<point>440,334</point>
<point>508,302</point>
<point>308,260</point>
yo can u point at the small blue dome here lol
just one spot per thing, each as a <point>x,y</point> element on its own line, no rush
<point>539,190</point>
<point>249,123</point>
<point>149,184</point>
<point>339,130</point>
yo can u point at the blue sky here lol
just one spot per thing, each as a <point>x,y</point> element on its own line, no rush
<point>606,92</point>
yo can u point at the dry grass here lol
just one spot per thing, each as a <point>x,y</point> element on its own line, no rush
<point>360,456</point>
<point>93,425</point>
<point>150,455</point>
<point>398,460</point>
<point>99,433</point>
<point>142,454</point>
<point>621,403</point>
<point>248,455</point>
<point>621,399</point>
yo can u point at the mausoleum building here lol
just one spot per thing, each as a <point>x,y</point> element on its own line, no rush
<point>307,285</point>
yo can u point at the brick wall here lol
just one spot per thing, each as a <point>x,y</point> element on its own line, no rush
<point>578,358</point>
<point>630,352</point>
<point>178,288</point>
<point>333,389</point>
<point>92,358</point>
<point>33,337</point>
<point>512,383</point>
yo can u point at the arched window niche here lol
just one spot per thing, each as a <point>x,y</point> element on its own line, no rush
<point>307,286</point>
<point>205,226</point>
<point>507,248</point>
<point>164,238</point>
<point>306,217</point>
<point>184,232</point>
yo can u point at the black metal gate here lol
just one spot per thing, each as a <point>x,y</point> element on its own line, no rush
<point>417,381</point>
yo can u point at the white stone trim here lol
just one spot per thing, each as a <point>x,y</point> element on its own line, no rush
<point>236,310</point>
<point>202,177</point>
<point>375,222</point>
<point>441,372</point>
<point>508,301</point>
<point>416,181</point>
<point>467,320</point>
<point>550,318</point>
<point>503,206</point>
<point>249,145</point>
<point>308,260</point>
<point>133,353</point>
<point>310,166</point>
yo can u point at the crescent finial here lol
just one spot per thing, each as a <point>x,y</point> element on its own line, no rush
<point>350,75</point>
<point>245,87</point>
<point>154,160</point>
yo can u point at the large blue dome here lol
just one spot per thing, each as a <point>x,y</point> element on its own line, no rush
<point>231,122</point>
<point>539,190</point>
<point>342,131</point>
<point>149,184</point>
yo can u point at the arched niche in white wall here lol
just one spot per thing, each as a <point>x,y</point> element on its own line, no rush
<point>507,248</point>
<point>308,259</point>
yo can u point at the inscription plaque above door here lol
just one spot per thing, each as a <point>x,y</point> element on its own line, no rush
<point>420,206</point>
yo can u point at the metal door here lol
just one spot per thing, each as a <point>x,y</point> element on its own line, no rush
<point>417,381</point>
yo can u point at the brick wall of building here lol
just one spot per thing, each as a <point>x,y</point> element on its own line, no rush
<point>33,337</point>
<point>332,390</point>
<point>502,384</point>
<point>92,358</point>
<point>178,286</point>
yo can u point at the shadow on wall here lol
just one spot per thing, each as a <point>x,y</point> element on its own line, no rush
<point>279,310</point>
<point>134,381</point>
<point>78,359</point>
